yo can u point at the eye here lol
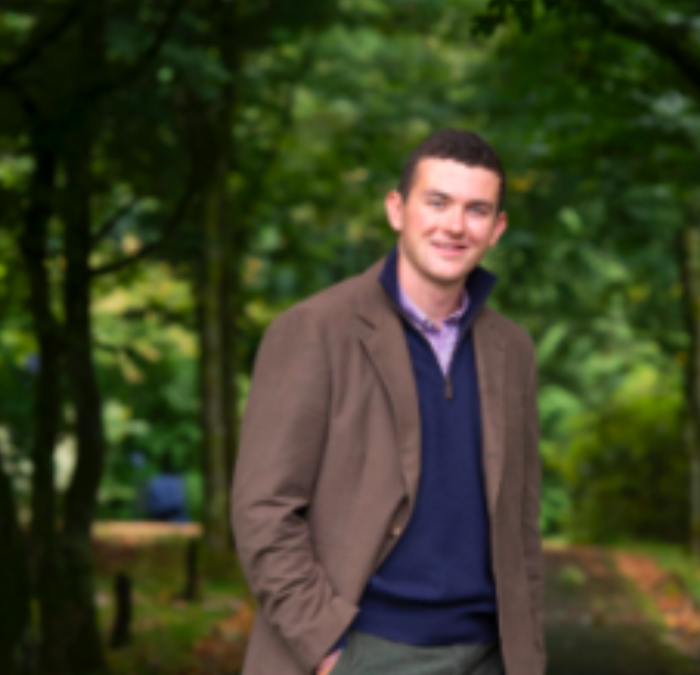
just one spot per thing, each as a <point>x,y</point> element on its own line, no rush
<point>479,210</point>
<point>437,203</point>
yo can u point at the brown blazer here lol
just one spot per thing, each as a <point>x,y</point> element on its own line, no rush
<point>328,468</point>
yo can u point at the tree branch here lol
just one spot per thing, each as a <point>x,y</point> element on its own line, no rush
<point>26,102</point>
<point>670,43</point>
<point>9,206</point>
<point>164,315</point>
<point>270,156</point>
<point>117,349</point>
<point>33,51</point>
<point>664,42</point>
<point>150,53</point>
<point>169,228</point>
<point>109,224</point>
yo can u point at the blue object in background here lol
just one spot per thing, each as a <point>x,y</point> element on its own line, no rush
<point>33,363</point>
<point>165,498</point>
<point>137,459</point>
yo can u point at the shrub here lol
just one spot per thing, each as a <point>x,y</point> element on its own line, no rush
<point>627,472</point>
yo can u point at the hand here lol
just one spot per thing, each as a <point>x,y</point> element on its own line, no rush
<point>328,663</point>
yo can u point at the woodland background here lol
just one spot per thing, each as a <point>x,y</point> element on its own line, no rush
<point>174,173</point>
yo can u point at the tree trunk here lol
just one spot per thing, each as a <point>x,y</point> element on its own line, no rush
<point>47,408</point>
<point>230,305</point>
<point>690,267</point>
<point>14,583</point>
<point>218,276</point>
<point>217,376</point>
<point>123,611</point>
<point>83,644</point>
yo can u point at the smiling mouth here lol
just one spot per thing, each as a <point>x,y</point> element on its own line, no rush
<point>449,247</point>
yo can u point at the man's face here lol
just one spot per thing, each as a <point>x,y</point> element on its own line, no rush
<point>448,222</point>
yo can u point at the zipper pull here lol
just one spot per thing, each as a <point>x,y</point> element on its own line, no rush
<point>448,388</point>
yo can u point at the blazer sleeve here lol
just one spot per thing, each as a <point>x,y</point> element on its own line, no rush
<point>531,505</point>
<point>282,440</point>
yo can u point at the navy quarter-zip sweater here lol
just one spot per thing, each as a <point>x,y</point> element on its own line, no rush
<point>436,587</point>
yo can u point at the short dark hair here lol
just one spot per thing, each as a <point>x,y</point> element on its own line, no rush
<point>465,147</point>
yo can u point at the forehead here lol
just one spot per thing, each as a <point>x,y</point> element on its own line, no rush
<point>458,180</point>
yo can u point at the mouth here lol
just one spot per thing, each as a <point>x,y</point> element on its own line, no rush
<point>450,248</point>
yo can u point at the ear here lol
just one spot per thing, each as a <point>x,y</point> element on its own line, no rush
<point>499,227</point>
<point>393,204</point>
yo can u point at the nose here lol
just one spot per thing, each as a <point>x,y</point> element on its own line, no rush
<point>454,223</point>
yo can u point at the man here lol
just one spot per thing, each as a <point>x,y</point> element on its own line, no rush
<point>386,496</point>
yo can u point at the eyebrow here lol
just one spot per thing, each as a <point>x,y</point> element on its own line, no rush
<point>476,202</point>
<point>481,203</point>
<point>437,193</point>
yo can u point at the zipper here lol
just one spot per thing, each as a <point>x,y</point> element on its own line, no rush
<point>448,385</point>
<point>448,381</point>
<point>449,392</point>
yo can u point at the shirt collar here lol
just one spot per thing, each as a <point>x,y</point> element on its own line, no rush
<point>420,319</point>
<point>477,288</point>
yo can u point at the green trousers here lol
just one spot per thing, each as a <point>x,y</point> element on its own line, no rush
<point>370,655</point>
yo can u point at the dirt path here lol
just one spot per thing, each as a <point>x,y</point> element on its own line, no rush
<point>596,621</point>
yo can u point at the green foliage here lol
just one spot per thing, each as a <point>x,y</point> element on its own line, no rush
<point>601,142</point>
<point>626,471</point>
<point>555,500</point>
<point>571,577</point>
<point>18,363</point>
<point>148,364</point>
<point>599,139</point>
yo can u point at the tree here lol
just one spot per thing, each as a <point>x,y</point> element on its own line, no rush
<point>14,581</point>
<point>53,87</point>
<point>77,83</point>
<point>239,36</point>
<point>668,33</point>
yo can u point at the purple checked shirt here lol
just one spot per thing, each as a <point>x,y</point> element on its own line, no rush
<point>443,339</point>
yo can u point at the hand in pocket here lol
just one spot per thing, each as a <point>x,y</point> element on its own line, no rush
<point>328,663</point>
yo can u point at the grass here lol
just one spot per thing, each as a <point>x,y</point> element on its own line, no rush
<point>172,637</point>
<point>169,636</point>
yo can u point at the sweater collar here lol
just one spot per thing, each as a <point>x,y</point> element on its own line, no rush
<point>477,288</point>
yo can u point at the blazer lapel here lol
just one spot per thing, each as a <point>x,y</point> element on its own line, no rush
<point>490,366</point>
<point>382,336</point>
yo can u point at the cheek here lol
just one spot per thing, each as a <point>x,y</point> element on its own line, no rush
<point>480,233</point>
<point>484,232</point>
<point>417,227</point>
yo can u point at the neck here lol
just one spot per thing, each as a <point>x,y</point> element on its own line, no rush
<point>436,301</point>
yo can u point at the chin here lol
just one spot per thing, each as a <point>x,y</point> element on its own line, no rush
<point>449,280</point>
<point>453,275</point>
